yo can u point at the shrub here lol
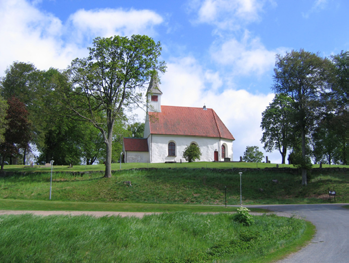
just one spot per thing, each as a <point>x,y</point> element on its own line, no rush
<point>192,152</point>
<point>252,154</point>
<point>243,216</point>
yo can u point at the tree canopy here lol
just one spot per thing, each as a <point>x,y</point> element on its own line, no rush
<point>17,133</point>
<point>277,125</point>
<point>110,80</point>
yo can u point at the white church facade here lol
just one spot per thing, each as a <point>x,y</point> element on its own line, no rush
<point>170,129</point>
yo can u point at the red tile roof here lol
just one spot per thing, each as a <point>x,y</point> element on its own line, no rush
<point>189,121</point>
<point>136,145</point>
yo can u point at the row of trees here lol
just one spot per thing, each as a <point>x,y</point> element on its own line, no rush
<point>79,113</point>
<point>309,114</point>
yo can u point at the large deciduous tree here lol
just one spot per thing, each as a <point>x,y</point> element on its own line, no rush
<point>109,80</point>
<point>340,120</point>
<point>3,121</point>
<point>20,81</point>
<point>304,77</point>
<point>276,125</point>
<point>17,134</point>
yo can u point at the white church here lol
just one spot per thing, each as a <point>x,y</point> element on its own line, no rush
<point>170,129</point>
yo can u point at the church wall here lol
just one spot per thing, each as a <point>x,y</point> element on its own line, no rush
<point>146,127</point>
<point>159,147</point>
<point>137,157</point>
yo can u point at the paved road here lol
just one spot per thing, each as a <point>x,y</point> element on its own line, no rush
<point>331,242</point>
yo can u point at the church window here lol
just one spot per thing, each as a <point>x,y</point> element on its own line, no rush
<point>223,151</point>
<point>154,98</point>
<point>171,149</point>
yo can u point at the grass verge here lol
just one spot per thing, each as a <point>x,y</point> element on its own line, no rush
<point>178,186</point>
<point>8,204</point>
<point>168,237</point>
<point>292,247</point>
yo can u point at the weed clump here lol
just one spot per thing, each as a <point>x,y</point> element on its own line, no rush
<point>243,216</point>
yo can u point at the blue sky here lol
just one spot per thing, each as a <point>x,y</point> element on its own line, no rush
<point>219,52</point>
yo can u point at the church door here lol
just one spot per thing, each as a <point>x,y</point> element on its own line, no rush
<point>216,156</point>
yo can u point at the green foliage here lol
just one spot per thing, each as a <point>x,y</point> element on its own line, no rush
<point>340,121</point>
<point>252,154</point>
<point>305,77</point>
<point>17,134</point>
<point>136,129</point>
<point>107,82</point>
<point>277,125</point>
<point>120,132</point>
<point>167,237</point>
<point>192,153</point>
<point>243,216</point>
<point>3,121</point>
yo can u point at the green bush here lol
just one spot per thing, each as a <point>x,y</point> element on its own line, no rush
<point>192,153</point>
<point>243,216</point>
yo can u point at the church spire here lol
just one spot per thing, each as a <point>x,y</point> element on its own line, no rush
<point>154,86</point>
<point>154,95</point>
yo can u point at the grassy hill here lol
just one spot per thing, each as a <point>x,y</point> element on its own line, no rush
<point>178,186</point>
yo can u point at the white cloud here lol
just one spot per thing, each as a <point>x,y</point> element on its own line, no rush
<point>214,79</point>
<point>183,82</point>
<point>227,14</point>
<point>317,6</point>
<point>246,56</point>
<point>30,35</point>
<point>108,22</point>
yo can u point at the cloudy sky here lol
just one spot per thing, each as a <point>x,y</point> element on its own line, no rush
<point>218,52</point>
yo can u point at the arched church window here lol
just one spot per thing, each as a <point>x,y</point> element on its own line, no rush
<point>223,151</point>
<point>171,149</point>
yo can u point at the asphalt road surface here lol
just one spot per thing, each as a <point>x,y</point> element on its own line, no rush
<point>331,241</point>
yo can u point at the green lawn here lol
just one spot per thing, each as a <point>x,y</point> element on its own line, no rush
<point>116,166</point>
<point>168,237</point>
<point>174,237</point>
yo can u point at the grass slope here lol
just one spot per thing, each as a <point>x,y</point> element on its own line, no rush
<point>177,186</point>
<point>174,237</point>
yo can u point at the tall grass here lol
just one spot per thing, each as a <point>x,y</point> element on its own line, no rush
<point>175,237</point>
<point>177,186</point>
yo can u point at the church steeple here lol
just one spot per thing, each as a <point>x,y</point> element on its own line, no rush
<point>154,95</point>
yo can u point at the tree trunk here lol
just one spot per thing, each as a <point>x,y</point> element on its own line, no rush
<point>24,155</point>
<point>344,154</point>
<point>304,171</point>
<point>109,144</point>
<point>304,176</point>
<point>283,154</point>
<point>2,162</point>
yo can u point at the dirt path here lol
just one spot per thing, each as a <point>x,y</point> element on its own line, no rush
<point>75,213</point>
<point>100,214</point>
